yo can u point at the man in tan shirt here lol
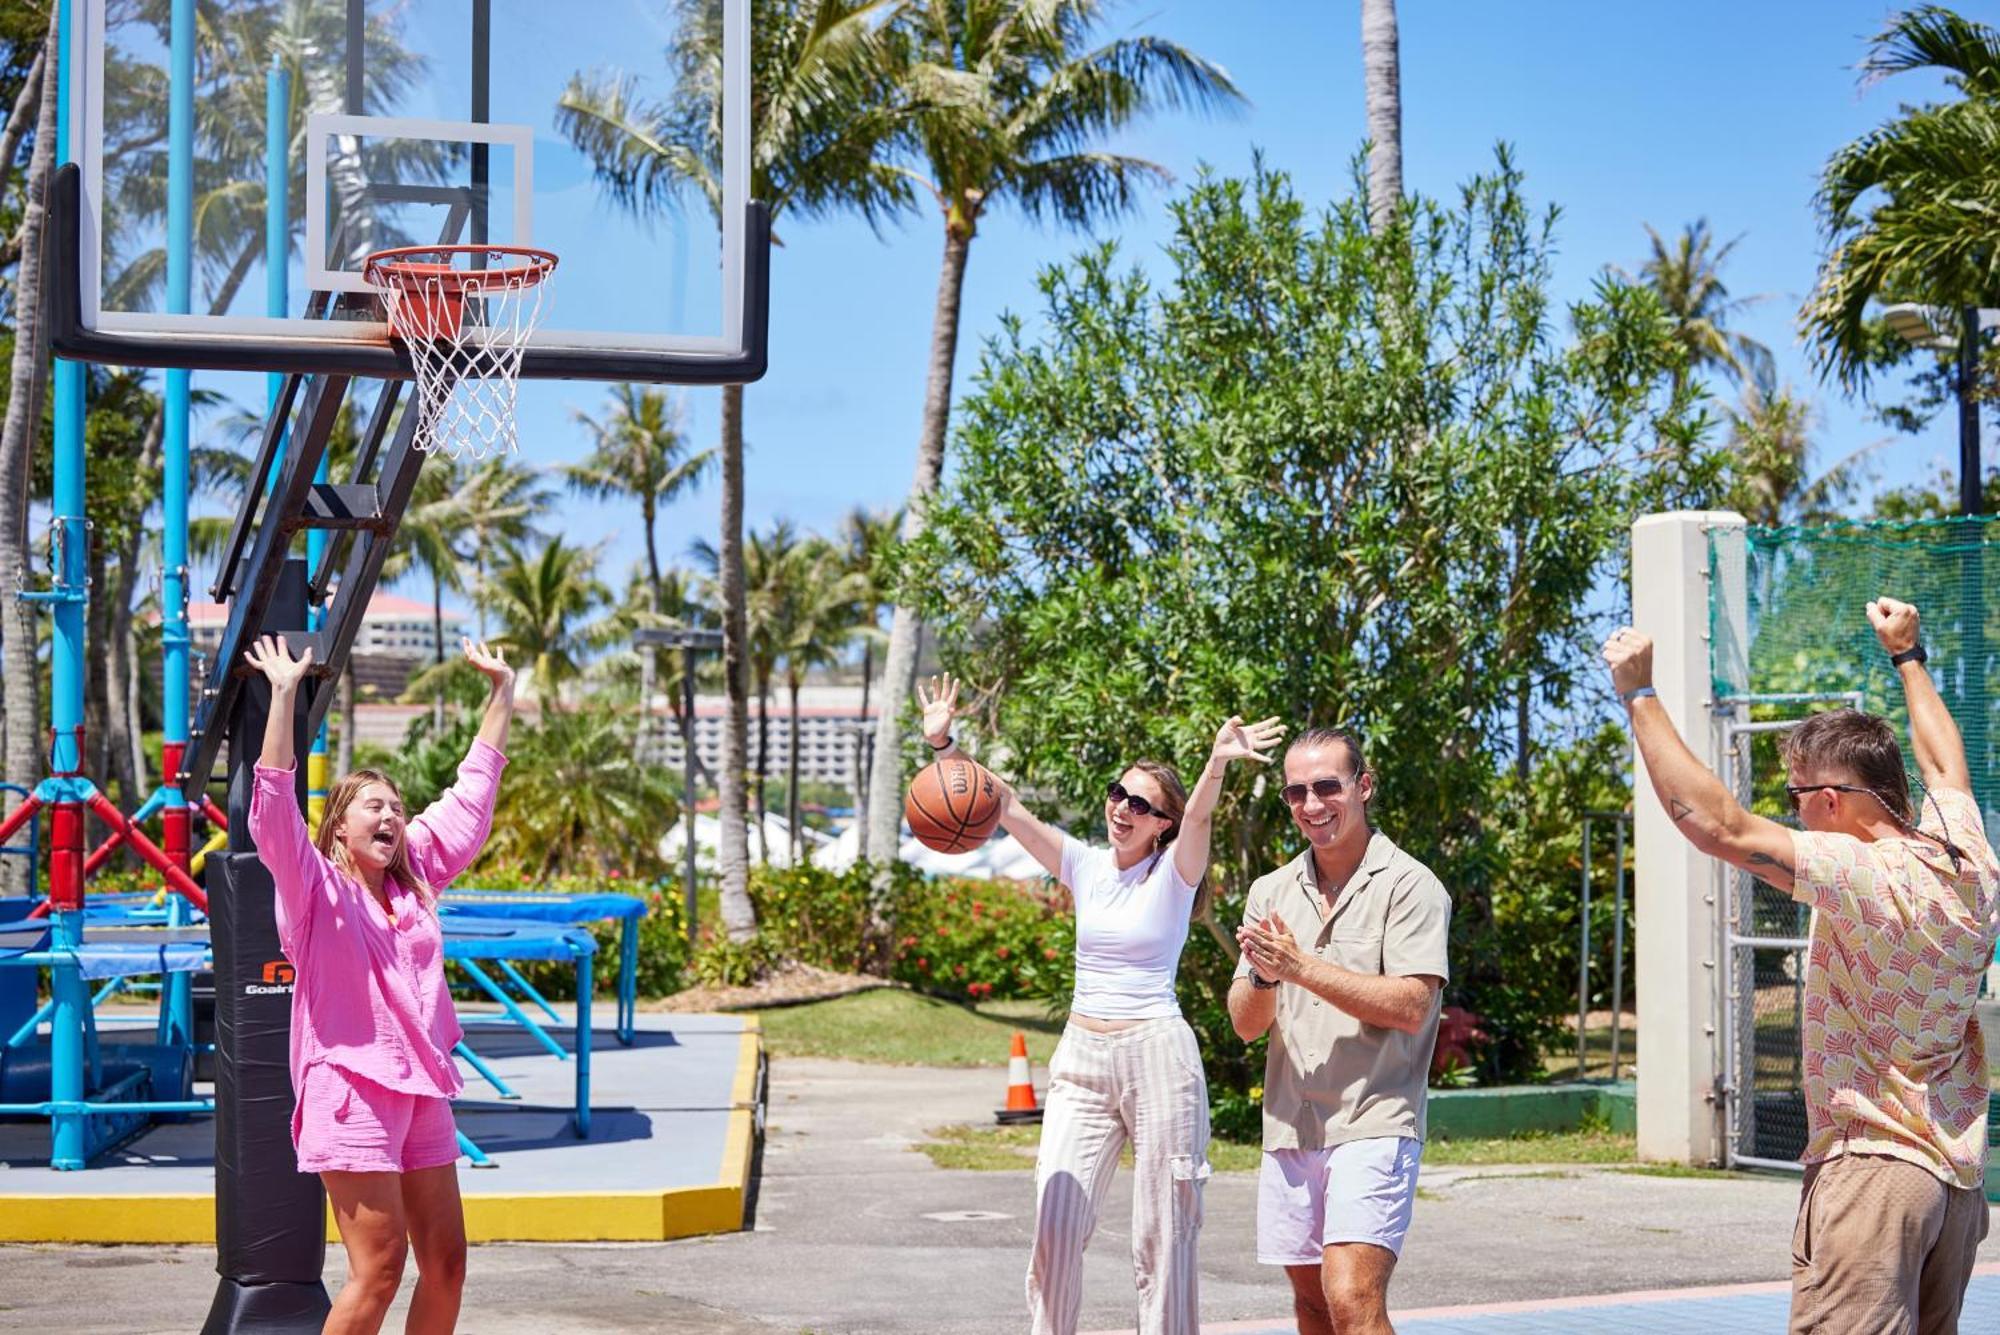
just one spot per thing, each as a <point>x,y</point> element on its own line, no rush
<point>1344,961</point>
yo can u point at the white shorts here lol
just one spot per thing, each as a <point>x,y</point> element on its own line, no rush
<point>1356,1191</point>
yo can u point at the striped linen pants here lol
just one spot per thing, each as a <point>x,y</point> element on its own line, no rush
<point>1145,1085</point>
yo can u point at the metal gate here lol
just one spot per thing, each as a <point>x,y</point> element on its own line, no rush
<point>1762,938</point>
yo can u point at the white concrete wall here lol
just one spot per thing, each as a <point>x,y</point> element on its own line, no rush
<point>1674,893</point>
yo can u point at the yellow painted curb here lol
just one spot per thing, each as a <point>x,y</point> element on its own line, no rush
<point>526,1216</point>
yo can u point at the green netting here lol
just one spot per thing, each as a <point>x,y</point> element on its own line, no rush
<point>1787,617</point>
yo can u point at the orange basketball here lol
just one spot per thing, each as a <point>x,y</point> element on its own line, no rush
<point>953,805</point>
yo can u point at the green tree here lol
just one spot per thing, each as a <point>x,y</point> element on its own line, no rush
<point>1907,209</point>
<point>639,450</point>
<point>823,611</point>
<point>1686,273</point>
<point>541,600</point>
<point>820,127</point>
<point>1008,103</point>
<point>869,540</point>
<point>20,704</point>
<point>1186,498</point>
<point>578,801</point>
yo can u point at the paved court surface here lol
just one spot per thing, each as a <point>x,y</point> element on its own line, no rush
<point>660,1116</point>
<point>857,1235</point>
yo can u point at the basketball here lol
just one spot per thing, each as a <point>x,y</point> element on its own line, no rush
<point>953,805</point>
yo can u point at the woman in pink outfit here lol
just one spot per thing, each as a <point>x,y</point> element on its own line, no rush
<point>372,1021</point>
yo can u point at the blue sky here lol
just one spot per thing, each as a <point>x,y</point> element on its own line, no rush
<point>1622,114</point>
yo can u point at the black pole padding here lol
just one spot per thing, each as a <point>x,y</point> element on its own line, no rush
<point>270,1219</point>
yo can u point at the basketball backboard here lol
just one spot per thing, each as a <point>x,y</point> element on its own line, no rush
<point>404,122</point>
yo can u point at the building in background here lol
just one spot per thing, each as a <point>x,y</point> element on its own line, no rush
<point>398,639</point>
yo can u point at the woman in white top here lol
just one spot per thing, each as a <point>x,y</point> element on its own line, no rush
<point>1128,1067</point>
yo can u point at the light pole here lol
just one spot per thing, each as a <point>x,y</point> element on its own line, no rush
<point>690,642</point>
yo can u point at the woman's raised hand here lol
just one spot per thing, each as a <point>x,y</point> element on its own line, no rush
<point>269,656</point>
<point>1237,740</point>
<point>489,662</point>
<point>940,704</point>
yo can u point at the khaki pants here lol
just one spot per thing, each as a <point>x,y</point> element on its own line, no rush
<point>1881,1247</point>
<point>1145,1085</point>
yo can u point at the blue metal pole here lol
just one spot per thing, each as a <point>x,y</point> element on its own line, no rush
<point>68,1129</point>
<point>176,996</point>
<point>277,203</point>
<point>585,967</point>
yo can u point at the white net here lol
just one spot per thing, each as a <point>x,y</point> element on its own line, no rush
<point>465,312</point>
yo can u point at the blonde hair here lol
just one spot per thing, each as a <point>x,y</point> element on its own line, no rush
<point>335,848</point>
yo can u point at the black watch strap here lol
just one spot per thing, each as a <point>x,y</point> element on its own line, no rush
<point>1919,654</point>
<point>1261,983</point>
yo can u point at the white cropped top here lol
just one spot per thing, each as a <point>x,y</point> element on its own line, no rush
<point>1130,928</point>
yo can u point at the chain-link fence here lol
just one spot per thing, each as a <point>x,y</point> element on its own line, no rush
<point>1789,635</point>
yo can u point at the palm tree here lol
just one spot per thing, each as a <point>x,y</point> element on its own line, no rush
<point>1908,208</point>
<point>869,537</point>
<point>1382,89</point>
<point>1687,277</point>
<point>820,126</point>
<point>1005,100</point>
<point>641,451</point>
<point>824,609</point>
<point>540,600</point>
<point>19,697</point>
<point>578,801</point>
<point>1770,446</point>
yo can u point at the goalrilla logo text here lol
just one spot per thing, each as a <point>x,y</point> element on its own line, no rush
<point>278,977</point>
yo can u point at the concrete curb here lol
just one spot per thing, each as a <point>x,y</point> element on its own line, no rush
<point>553,1216</point>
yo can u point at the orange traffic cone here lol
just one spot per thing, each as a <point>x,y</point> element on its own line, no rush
<point>1020,1087</point>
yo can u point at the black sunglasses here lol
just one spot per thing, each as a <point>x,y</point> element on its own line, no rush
<point>1795,791</point>
<point>1324,789</point>
<point>1134,803</point>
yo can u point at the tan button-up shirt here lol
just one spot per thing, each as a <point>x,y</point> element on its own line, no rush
<point>1329,1077</point>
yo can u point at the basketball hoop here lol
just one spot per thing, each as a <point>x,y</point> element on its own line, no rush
<point>465,313</point>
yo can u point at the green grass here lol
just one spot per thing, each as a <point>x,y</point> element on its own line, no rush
<point>1538,1147</point>
<point>995,1148</point>
<point>1678,1170</point>
<point>900,1028</point>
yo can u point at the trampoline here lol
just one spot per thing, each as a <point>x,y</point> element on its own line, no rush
<point>568,910</point>
<point>469,940</point>
<point>126,1084</point>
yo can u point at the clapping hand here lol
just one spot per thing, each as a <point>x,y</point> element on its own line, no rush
<point>1273,950</point>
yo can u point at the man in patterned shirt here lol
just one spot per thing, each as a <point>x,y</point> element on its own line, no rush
<point>1906,903</point>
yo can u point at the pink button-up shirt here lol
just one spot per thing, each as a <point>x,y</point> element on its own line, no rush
<point>370,996</point>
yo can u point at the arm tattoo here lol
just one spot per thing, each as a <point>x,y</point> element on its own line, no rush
<point>1681,810</point>
<point>1766,860</point>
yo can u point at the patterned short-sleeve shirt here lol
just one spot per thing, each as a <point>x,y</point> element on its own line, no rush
<point>1894,1060</point>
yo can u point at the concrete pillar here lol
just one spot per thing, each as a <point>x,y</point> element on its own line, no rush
<point>1675,888</point>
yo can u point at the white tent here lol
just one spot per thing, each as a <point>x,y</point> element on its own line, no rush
<point>999,857</point>
<point>708,842</point>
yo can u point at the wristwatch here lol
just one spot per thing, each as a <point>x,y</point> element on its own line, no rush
<point>1917,654</point>
<point>1637,692</point>
<point>949,742</point>
<point>1261,983</point>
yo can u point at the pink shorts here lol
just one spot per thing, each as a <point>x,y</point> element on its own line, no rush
<point>346,1123</point>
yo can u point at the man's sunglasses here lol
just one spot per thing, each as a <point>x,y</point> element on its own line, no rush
<point>1134,803</point>
<point>1797,791</point>
<point>1324,789</point>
